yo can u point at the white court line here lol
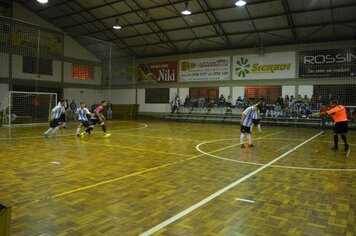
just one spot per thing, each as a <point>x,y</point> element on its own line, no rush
<point>221,191</point>
<point>56,162</point>
<point>244,200</point>
<point>283,147</point>
<point>72,134</point>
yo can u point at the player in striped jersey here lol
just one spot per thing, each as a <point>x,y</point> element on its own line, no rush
<point>246,121</point>
<point>98,118</point>
<point>55,122</point>
<point>82,112</point>
<point>256,120</point>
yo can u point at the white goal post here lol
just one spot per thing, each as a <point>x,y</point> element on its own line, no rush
<point>28,108</point>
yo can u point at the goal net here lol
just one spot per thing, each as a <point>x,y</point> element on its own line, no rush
<point>28,108</point>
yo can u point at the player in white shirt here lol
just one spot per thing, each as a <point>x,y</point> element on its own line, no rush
<point>256,120</point>
<point>82,112</point>
<point>246,121</point>
<point>63,117</point>
<point>55,119</point>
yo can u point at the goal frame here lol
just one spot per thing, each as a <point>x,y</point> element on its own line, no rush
<point>10,93</point>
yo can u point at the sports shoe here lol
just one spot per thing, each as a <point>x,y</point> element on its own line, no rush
<point>251,145</point>
<point>334,148</point>
<point>107,135</point>
<point>45,135</point>
<point>346,147</point>
<point>242,146</point>
<point>78,135</point>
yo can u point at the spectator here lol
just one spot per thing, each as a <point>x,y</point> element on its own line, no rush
<point>109,111</point>
<point>239,102</point>
<point>175,104</point>
<point>229,101</point>
<point>186,101</point>
<point>323,118</point>
<point>73,108</point>
<point>221,101</point>
<point>277,111</point>
<point>280,101</point>
<point>286,98</point>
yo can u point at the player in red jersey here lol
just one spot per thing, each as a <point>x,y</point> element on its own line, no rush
<point>98,118</point>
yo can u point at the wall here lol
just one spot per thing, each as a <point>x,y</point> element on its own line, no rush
<point>288,90</point>
<point>237,92</point>
<point>150,107</point>
<point>183,93</point>
<point>4,96</point>
<point>18,74</point>
<point>224,91</point>
<point>89,96</point>
<point>120,96</point>
<point>305,90</point>
<point>73,52</point>
<point>4,65</point>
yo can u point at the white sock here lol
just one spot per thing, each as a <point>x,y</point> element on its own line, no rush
<point>249,139</point>
<point>78,130</point>
<point>54,131</point>
<point>49,130</point>
<point>251,127</point>
<point>64,124</point>
<point>242,138</point>
<point>259,128</point>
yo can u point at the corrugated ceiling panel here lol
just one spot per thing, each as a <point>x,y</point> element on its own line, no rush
<point>271,23</point>
<point>172,24</point>
<point>308,18</point>
<point>232,14</point>
<point>345,14</point>
<point>240,27</point>
<point>302,5</point>
<point>260,10</point>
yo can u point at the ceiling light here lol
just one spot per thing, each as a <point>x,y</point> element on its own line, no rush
<point>42,1</point>
<point>240,3</point>
<point>186,11</point>
<point>116,26</point>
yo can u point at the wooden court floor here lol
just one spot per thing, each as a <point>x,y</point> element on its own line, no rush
<point>166,178</point>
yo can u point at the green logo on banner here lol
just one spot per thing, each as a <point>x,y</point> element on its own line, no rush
<point>241,69</point>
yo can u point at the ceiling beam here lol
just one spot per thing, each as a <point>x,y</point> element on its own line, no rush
<point>332,15</point>
<point>105,26</point>
<point>253,32</point>
<point>289,18</point>
<point>232,21</point>
<point>214,21</point>
<point>160,32</point>
<point>166,5</point>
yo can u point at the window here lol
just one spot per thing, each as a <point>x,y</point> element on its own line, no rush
<point>38,66</point>
<point>210,92</point>
<point>269,93</point>
<point>82,72</point>
<point>157,95</point>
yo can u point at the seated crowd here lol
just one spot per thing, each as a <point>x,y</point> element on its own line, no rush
<point>287,107</point>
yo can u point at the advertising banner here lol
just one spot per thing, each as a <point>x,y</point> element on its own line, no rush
<point>122,74</point>
<point>279,65</point>
<point>205,69</point>
<point>327,63</point>
<point>157,72</point>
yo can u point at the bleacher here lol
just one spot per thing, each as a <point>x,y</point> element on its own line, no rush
<point>233,115</point>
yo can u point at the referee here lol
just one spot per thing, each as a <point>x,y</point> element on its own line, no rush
<point>339,115</point>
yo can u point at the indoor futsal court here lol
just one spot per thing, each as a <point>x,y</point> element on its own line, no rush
<point>178,117</point>
<point>159,178</point>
